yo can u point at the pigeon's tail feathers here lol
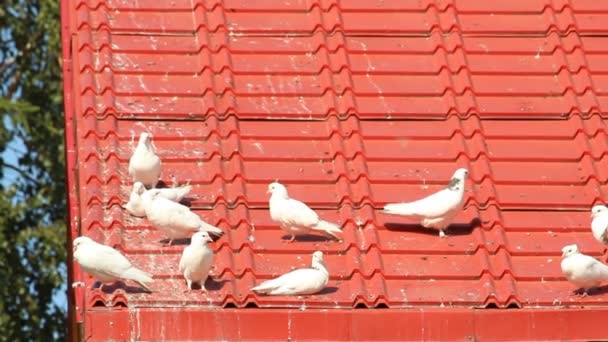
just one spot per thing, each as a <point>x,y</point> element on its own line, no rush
<point>267,286</point>
<point>142,284</point>
<point>182,191</point>
<point>139,276</point>
<point>603,271</point>
<point>329,228</point>
<point>603,238</point>
<point>185,189</point>
<point>215,231</point>
<point>281,291</point>
<point>404,209</point>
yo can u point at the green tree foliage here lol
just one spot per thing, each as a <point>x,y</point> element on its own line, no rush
<point>33,192</point>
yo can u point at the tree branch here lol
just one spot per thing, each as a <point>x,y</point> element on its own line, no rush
<point>7,63</point>
<point>14,83</point>
<point>15,150</point>
<point>20,172</point>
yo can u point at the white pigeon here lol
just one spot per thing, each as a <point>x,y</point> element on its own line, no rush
<point>196,260</point>
<point>106,264</point>
<point>583,271</point>
<point>144,165</point>
<point>303,281</point>
<point>295,217</point>
<point>135,206</point>
<point>175,220</point>
<point>437,210</point>
<point>599,224</point>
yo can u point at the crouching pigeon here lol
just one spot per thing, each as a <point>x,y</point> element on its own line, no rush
<point>106,264</point>
<point>303,281</point>
<point>174,220</point>
<point>135,206</point>
<point>583,271</point>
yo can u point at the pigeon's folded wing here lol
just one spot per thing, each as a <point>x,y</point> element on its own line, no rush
<point>177,213</point>
<point>435,205</point>
<point>175,194</point>
<point>296,213</point>
<point>599,228</point>
<point>598,270</point>
<point>297,280</point>
<point>182,260</point>
<point>111,262</point>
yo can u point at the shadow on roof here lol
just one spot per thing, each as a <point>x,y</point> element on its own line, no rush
<point>309,238</point>
<point>176,242</point>
<point>120,285</point>
<point>453,229</point>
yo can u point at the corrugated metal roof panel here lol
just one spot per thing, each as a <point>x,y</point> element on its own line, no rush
<point>351,105</point>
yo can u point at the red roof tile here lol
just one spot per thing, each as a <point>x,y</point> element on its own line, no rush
<point>352,104</point>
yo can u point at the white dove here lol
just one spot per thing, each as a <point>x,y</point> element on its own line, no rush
<point>175,220</point>
<point>135,206</point>
<point>106,264</point>
<point>144,165</point>
<point>599,224</point>
<point>303,281</point>
<point>295,217</point>
<point>196,260</point>
<point>437,210</point>
<point>582,270</point>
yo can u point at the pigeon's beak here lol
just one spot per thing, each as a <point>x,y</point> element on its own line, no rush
<point>592,214</point>
<point>268,191</point>
<point>563,254</point>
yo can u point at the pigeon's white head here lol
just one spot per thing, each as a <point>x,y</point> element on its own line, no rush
<point>457,180</point>
<point>317,257</point>
<point>461,173</point>
<point>79,241</point>
<point>598,210</point>
<point>318,263</point>
<point>200,238</point>
<point>144,139</point>
<point>139,188</point>
<point>569,250</point>
<point>277,189</point>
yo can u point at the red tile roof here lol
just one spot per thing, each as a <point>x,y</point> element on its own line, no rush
<point>351,104</point>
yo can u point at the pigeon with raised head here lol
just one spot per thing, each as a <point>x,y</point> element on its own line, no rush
<point>437,210</point>
<point>599,223</point>
<point>144,165</point>
<point>174,220</point>
<point>302,281</point>
<point>196,260</point>
<point>106,264</point>
<point>135,206</point>
<point>583,271</point>
<point>295,217</point>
